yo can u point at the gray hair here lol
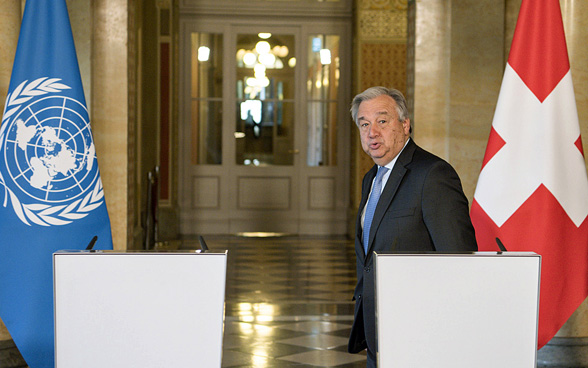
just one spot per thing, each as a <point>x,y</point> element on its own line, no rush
<point>374,92</point>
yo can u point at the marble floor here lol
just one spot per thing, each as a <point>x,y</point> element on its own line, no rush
<point>288,302</point>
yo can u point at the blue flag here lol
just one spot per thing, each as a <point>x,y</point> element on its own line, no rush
<point>51,195</point>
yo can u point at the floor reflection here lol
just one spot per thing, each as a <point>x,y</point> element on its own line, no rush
<point>288,301</point>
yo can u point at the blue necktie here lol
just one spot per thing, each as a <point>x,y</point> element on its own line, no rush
<point>370,208</point>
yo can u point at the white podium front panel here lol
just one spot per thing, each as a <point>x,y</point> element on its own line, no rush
<point>139,309</point>
<point>457,310</point>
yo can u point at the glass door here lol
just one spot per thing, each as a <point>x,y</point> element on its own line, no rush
<point>261,136</point>
<point>267,121</point>
<point>265,93</point>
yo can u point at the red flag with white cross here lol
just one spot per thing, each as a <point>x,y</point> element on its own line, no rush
<point>532,192</point>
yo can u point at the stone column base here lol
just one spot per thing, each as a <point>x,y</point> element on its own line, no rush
<point>564,352</point>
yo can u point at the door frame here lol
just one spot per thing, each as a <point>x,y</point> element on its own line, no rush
<point>319,196</point>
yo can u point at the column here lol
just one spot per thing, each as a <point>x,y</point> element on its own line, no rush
<point>458,63</point>
<point>110,122</point>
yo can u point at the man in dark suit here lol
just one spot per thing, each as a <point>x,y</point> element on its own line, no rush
<point>415,203</point>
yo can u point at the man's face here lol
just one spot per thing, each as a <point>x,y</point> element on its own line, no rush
<point>382,134</point>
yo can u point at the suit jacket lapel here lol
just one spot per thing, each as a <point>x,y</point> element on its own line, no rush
<point>390,189</point>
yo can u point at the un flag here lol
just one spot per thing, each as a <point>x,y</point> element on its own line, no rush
<point>51,195</point>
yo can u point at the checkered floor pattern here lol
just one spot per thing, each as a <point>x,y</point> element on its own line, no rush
<point>288,301</point>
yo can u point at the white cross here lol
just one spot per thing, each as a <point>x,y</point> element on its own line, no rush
<point>540,149</point>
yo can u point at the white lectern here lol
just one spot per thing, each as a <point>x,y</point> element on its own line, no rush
<point>138,309</point>
<point>457,310</point>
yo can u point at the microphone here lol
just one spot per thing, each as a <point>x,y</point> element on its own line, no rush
<point>202,243</point>
<point>500,245</point>
<point>92,242</point>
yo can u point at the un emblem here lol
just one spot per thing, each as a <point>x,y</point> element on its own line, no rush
<point>49,169</point>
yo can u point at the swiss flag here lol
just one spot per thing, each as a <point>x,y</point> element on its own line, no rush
<point>532,192</point>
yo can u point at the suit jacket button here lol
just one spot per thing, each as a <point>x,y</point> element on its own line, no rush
<point>367,269</point>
